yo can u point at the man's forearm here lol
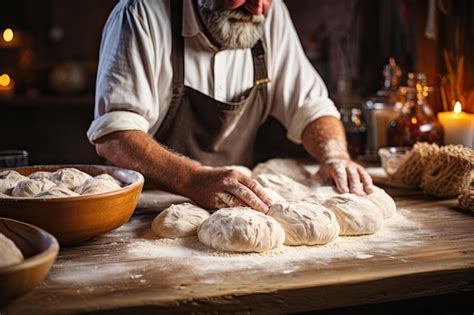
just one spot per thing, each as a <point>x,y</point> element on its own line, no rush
<point>325,140</point>
<point>137,150</point>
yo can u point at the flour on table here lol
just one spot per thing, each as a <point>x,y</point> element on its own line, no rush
<point>288,167</point>
<point>69,177</point>
<point>355,215</point>
<point>180,220</point>
<point>10,253</point>
<point>8,180</point>
<point>241,229</point>
<point>286,187</point>
<point>305,223</point>
<point>32,187</point>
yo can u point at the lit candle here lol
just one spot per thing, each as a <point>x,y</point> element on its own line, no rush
<point>458,126</point>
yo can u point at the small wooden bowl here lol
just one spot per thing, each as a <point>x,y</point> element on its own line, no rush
<point>39,249</point>
<point>75,219</point>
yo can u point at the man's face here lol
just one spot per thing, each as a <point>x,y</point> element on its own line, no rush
<point>234,24</point>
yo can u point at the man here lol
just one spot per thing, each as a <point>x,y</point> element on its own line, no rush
<point>196,78</point>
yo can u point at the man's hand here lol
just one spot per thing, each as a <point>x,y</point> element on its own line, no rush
<point>218,187</point>
<point>347,175</point>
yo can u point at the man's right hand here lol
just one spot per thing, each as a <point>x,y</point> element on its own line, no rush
<point>219,187</point>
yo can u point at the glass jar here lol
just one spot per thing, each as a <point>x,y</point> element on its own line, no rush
<point>356,132</point>
<point>416,122</point>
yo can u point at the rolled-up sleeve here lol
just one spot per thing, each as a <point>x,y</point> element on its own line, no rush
<point>298,95</point>
<point>126,89</point>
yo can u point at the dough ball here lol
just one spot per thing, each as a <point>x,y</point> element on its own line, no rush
<point>305,223</point>
<point>283,185</point>
<point>69,177</point>
<point>179,221</point>
<point>32,187</point>
<point>96,186</point>
<point>57,192</point>
<point>243,169</point>
<point>8,180</point>
<point>383,201</point>
<point>241,229</point>
<point>288,167</point>
<point>108,177</point>
<point>10,253</point>
<point>274,196</point>
<point>40,175</point>
<point>321,194</point>
<point>355,215</point>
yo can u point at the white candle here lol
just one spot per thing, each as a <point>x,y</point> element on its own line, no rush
<point>458,126</point>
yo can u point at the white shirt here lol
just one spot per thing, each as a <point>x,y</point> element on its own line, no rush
<point>133,89</point>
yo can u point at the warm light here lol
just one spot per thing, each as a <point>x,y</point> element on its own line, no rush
<point>8,35</point>
<point>457,107</point>
<point>5,80</point>
<point>414,120</point>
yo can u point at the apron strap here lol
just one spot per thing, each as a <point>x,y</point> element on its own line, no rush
<point>259,64</point>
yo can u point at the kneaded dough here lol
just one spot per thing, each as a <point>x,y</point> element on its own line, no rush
<point>32,187</point>
<point>8,180</point>
<point>383,201</point>
<point>305,223</point>
<point>283,185</point>
<point>96,186</point>
<point>10,253</point>
<point>178,221</point>
<point>69,177</point>
<point>355,215</point>
<point>108,177</point>
<point>243,169</point>
<point>321,194</point>
<point>273,195</point>
<point>241,229</point>
<point>57,192</point>
<point>40,175</point>
<point>288,167</point>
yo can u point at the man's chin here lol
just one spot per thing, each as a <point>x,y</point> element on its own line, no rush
<point>242,36</point>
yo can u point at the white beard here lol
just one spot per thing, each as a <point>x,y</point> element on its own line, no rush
<point>232,29</point>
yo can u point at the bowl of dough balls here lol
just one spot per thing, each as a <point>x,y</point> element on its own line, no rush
<point>72,202</point>
<point>27,253</point>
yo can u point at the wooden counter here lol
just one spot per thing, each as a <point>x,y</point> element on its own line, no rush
<point>427,249</point>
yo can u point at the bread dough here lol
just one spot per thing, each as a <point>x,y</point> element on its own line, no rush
<point>241,229</point>
<point>8,180</point>
<point>96,186</point>
<point>288,167</point>
<point>40,175</point>
<point>273,195</point>
<point>10,253</point>
<point>283,185</point>
<point>355,215</point>
<point>57,192</point>
<point>305,223</point>
<point>321,194</point>
<point>32,187</point>
<point>244,170</point>
<point>108,177</point>
<point>383,201</point>
<point>69,177</point>
<point>179,221</point>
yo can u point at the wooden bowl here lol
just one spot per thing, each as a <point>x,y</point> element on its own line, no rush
<point>39,249</point>
<point>75,219</point>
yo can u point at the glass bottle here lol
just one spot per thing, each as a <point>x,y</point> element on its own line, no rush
<point>416,122</point>
<point>356,132</point>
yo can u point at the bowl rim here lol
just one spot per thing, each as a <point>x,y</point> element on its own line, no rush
<point>140,182</point>
<point>37,259</point>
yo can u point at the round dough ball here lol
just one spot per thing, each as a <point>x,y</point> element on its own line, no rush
<point>383,201</point>
<point>8,180</point>
<point>57,192</point>
<point>108,177</point>
<point>355,215</point>
<point>274,196</point>
<point>96,186</point>
<point>69,177</point>
<point>288,167</point>
<point>40,175</point>
<point>283,185</point>
<point>179,221</point>
<point>305,223</point>
<point>11,254</point>
<point>32,187</point>
<point>243,169</point>
<point>241,229</point>
<point>321,194</point>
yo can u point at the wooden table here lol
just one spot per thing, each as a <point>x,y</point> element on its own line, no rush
<point>428,251</point>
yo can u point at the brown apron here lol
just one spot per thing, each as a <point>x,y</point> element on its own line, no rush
<point>212,132</point>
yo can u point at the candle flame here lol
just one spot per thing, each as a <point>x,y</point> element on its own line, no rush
<point>8,35</point>
<point>5,80</point>
<point>457,107</point>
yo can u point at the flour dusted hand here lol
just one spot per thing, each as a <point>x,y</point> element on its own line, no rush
<point>241,229</point>
<point>180,220</point>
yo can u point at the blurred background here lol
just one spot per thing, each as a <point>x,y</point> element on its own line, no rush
<point>49,51</point>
